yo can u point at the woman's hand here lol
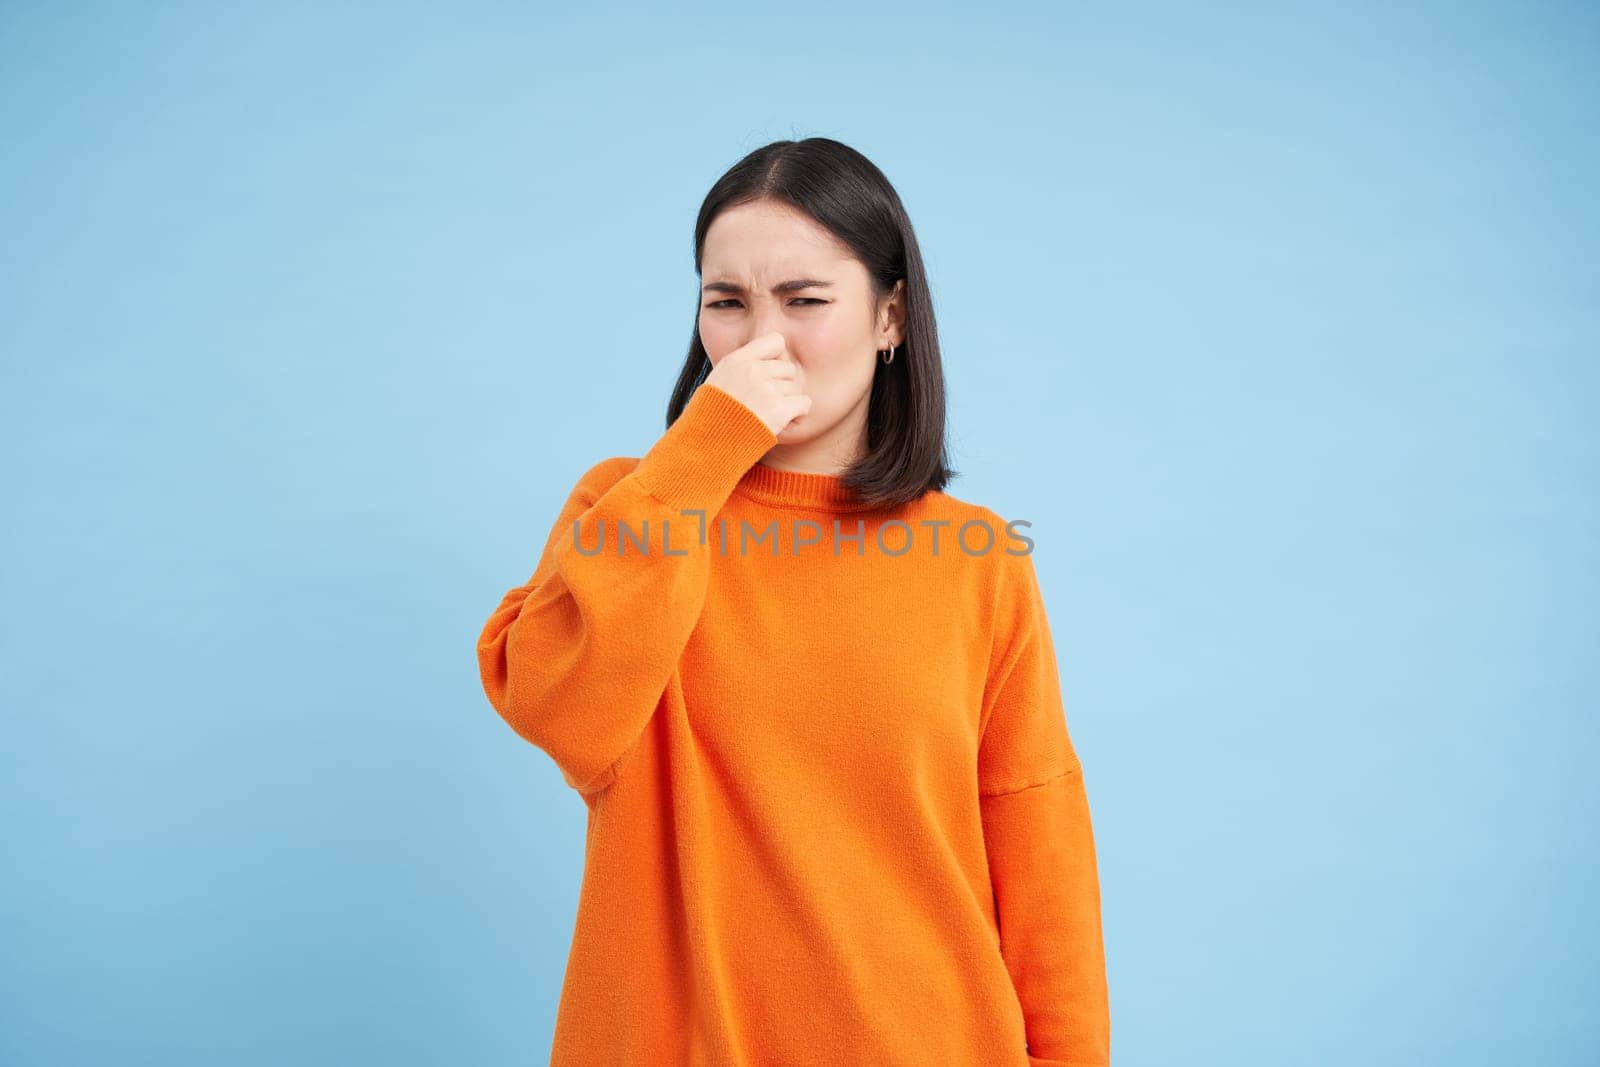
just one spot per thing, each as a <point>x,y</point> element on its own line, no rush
<point>762,377</point>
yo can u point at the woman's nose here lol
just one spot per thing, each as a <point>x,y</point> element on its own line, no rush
<point>766,318</point>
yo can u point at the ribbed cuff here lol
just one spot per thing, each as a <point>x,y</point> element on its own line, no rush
<point>700,458</point>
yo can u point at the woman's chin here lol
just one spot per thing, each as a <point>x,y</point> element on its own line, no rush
<point>802,428</point>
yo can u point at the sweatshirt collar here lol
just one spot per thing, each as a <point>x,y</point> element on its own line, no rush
<point>798,488</point>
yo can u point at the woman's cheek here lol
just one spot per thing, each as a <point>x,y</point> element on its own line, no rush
<point>711,339</point>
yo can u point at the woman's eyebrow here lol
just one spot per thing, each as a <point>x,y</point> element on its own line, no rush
<point>782,287</point>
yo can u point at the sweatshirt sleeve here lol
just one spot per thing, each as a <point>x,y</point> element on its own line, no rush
<point>577,659</point>
<point>1039,839</point>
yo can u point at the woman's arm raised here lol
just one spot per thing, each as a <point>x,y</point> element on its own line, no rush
<point>577,659</point>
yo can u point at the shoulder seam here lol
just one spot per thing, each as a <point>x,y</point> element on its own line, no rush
<point>1076,768</point>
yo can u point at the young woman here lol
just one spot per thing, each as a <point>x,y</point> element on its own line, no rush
<point>810,700</point>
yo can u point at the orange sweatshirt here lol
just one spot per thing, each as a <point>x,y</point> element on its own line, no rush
<point>834,814</point>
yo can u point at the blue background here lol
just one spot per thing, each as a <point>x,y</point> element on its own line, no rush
<point>1280,325</point>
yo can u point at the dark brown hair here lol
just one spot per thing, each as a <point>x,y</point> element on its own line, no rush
<point>846,194</point>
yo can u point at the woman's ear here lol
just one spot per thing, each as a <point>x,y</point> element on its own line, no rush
<point>895,312</point>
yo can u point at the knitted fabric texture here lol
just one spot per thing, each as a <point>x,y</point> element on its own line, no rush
<point>834,813</point>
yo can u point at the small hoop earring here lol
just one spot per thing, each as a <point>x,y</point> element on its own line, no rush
<point>888,357</point>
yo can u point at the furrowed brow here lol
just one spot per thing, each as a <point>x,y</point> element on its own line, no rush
<point>791,286</point>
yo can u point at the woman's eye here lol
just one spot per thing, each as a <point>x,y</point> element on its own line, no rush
<point>797,300</point>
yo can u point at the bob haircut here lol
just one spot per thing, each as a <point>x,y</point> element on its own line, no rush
<point>849,196</point>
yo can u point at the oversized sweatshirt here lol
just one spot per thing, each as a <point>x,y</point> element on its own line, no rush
<point>834,813</point>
